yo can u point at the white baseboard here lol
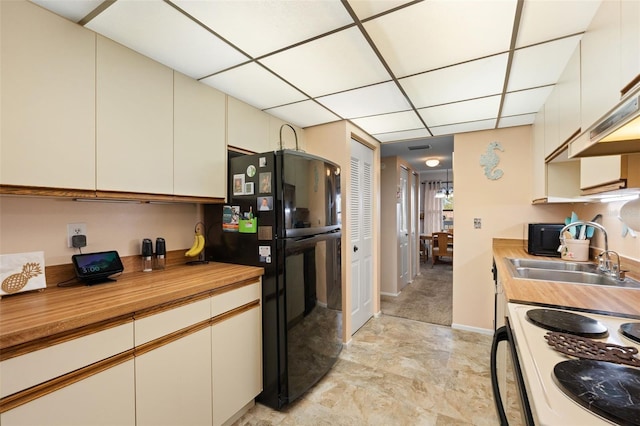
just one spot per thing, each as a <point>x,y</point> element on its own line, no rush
<point>384,293</point>
<point>377,314</point>
<point>321,304</point>
<point>486,331</point>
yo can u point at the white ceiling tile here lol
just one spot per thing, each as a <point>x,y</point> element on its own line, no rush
<point>367,8</point>
<point>541,64</point>
<point>516,120</point>
<point>371,100</point>
<point>74,10</point>
<point>254,85</point>
<point>473,110</point>
<point>334,63</point>
<point>472,126</point>
<point>403,135</point>
<point>437,33</point>
<point>484,77</point>
<point>260,27</point>
<point>547,20</point>
<point>525,101</point>
<point>304,114</point>
<point>160,32</point>
<point>389,122</point>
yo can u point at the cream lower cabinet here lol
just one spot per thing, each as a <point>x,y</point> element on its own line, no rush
<point>173,382</point>
<point>84,380</point>
<point>106,398</point>
<point>236,351</point>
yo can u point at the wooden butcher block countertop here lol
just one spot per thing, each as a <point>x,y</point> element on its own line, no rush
<point>606,299</point>
<point>29,316</point>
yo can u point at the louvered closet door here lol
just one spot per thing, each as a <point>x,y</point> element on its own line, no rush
<point>361,227</point>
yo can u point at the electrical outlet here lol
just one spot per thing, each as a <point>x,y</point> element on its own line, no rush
<point>75,229</point>
<point>477,223</point>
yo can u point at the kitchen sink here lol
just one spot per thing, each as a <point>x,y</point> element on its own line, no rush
<point>554,265</point>
<point>568,272</point>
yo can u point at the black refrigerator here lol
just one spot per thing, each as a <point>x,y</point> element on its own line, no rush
<point>283,214</point>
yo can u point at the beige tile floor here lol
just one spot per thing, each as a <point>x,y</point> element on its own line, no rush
<point>398,372</point>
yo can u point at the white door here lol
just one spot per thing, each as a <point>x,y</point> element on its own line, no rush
<point>403,229</point>
<point>413,247</point>
<point>361,226</point>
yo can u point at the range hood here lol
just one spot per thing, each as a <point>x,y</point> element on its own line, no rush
<point>616,133</point>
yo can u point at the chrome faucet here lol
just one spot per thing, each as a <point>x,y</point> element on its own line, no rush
<point>587,223</point>
<point>604,260</point>
<point>612,269</point>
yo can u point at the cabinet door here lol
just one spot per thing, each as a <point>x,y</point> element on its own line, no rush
<point>600,68</point>
<point>539,168</point>
<point>629,41</point>
<point>596,171</point>
<point>173,382</point>
<point>237,363</point>
<point>569,98</point>
<point>247,127</point>
<point>200,151</point>
<point>47,107</point>
<point>551,115</point>
<point>134,119</point>
<point>106,398</point>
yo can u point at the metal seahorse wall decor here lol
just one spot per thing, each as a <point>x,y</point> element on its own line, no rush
<point>489,160</point>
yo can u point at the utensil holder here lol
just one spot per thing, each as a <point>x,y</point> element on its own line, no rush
<point>576,250</point>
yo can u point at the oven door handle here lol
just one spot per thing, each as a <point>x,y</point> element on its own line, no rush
<point>500,335</point>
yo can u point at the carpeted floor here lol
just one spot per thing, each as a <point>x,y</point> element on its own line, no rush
<point>429,298</point>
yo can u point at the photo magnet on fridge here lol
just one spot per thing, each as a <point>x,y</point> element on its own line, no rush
<point>238,184</point>
<point>265,203</point>
<point>265,183</point>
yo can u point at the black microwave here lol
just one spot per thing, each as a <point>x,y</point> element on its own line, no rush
<point>544,239</point>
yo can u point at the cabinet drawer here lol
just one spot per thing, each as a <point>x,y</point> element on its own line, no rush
<point>163,323</point>
<point>41,365</point>
<point>232,299</point>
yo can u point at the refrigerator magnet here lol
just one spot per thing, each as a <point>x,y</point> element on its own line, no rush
<point>265,203</point>
<point>265,253</point>
<point>262,162</point>
<point>238,184</point>
<point>248,188</point>
<point>251,170</point>
<point>265,183</point>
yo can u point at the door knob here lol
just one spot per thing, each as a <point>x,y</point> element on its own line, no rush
<point>355,249</point>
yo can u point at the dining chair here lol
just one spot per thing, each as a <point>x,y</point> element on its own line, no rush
<point>441,247</point>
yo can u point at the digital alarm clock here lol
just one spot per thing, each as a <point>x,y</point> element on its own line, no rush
<point>93,268</point>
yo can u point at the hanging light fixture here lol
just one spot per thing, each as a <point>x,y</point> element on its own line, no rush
<point>445,192</point>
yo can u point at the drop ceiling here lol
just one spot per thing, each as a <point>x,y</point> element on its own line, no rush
<point>403,71</point>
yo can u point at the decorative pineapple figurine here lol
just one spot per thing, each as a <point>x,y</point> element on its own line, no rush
<point>15,282</point>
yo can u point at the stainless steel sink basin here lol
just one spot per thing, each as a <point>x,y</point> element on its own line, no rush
<point>568,272</point>
<point>554,265</point>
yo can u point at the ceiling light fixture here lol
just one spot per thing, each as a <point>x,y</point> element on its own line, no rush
<point>432,162</point>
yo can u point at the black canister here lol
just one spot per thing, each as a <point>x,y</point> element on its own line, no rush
<point>147,255</point>
<point>161,253</point>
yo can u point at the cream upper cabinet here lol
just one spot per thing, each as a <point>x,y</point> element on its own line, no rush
<point>200,151</point>
<point>569,99</point>
<point>247,127</point>
<point>551,115</point>
<point>539,170</point>
<point>134,120</point>
<point>48,99</point>
<point>629,41</point>
<point>612,171</point>
<point>600,64</point>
